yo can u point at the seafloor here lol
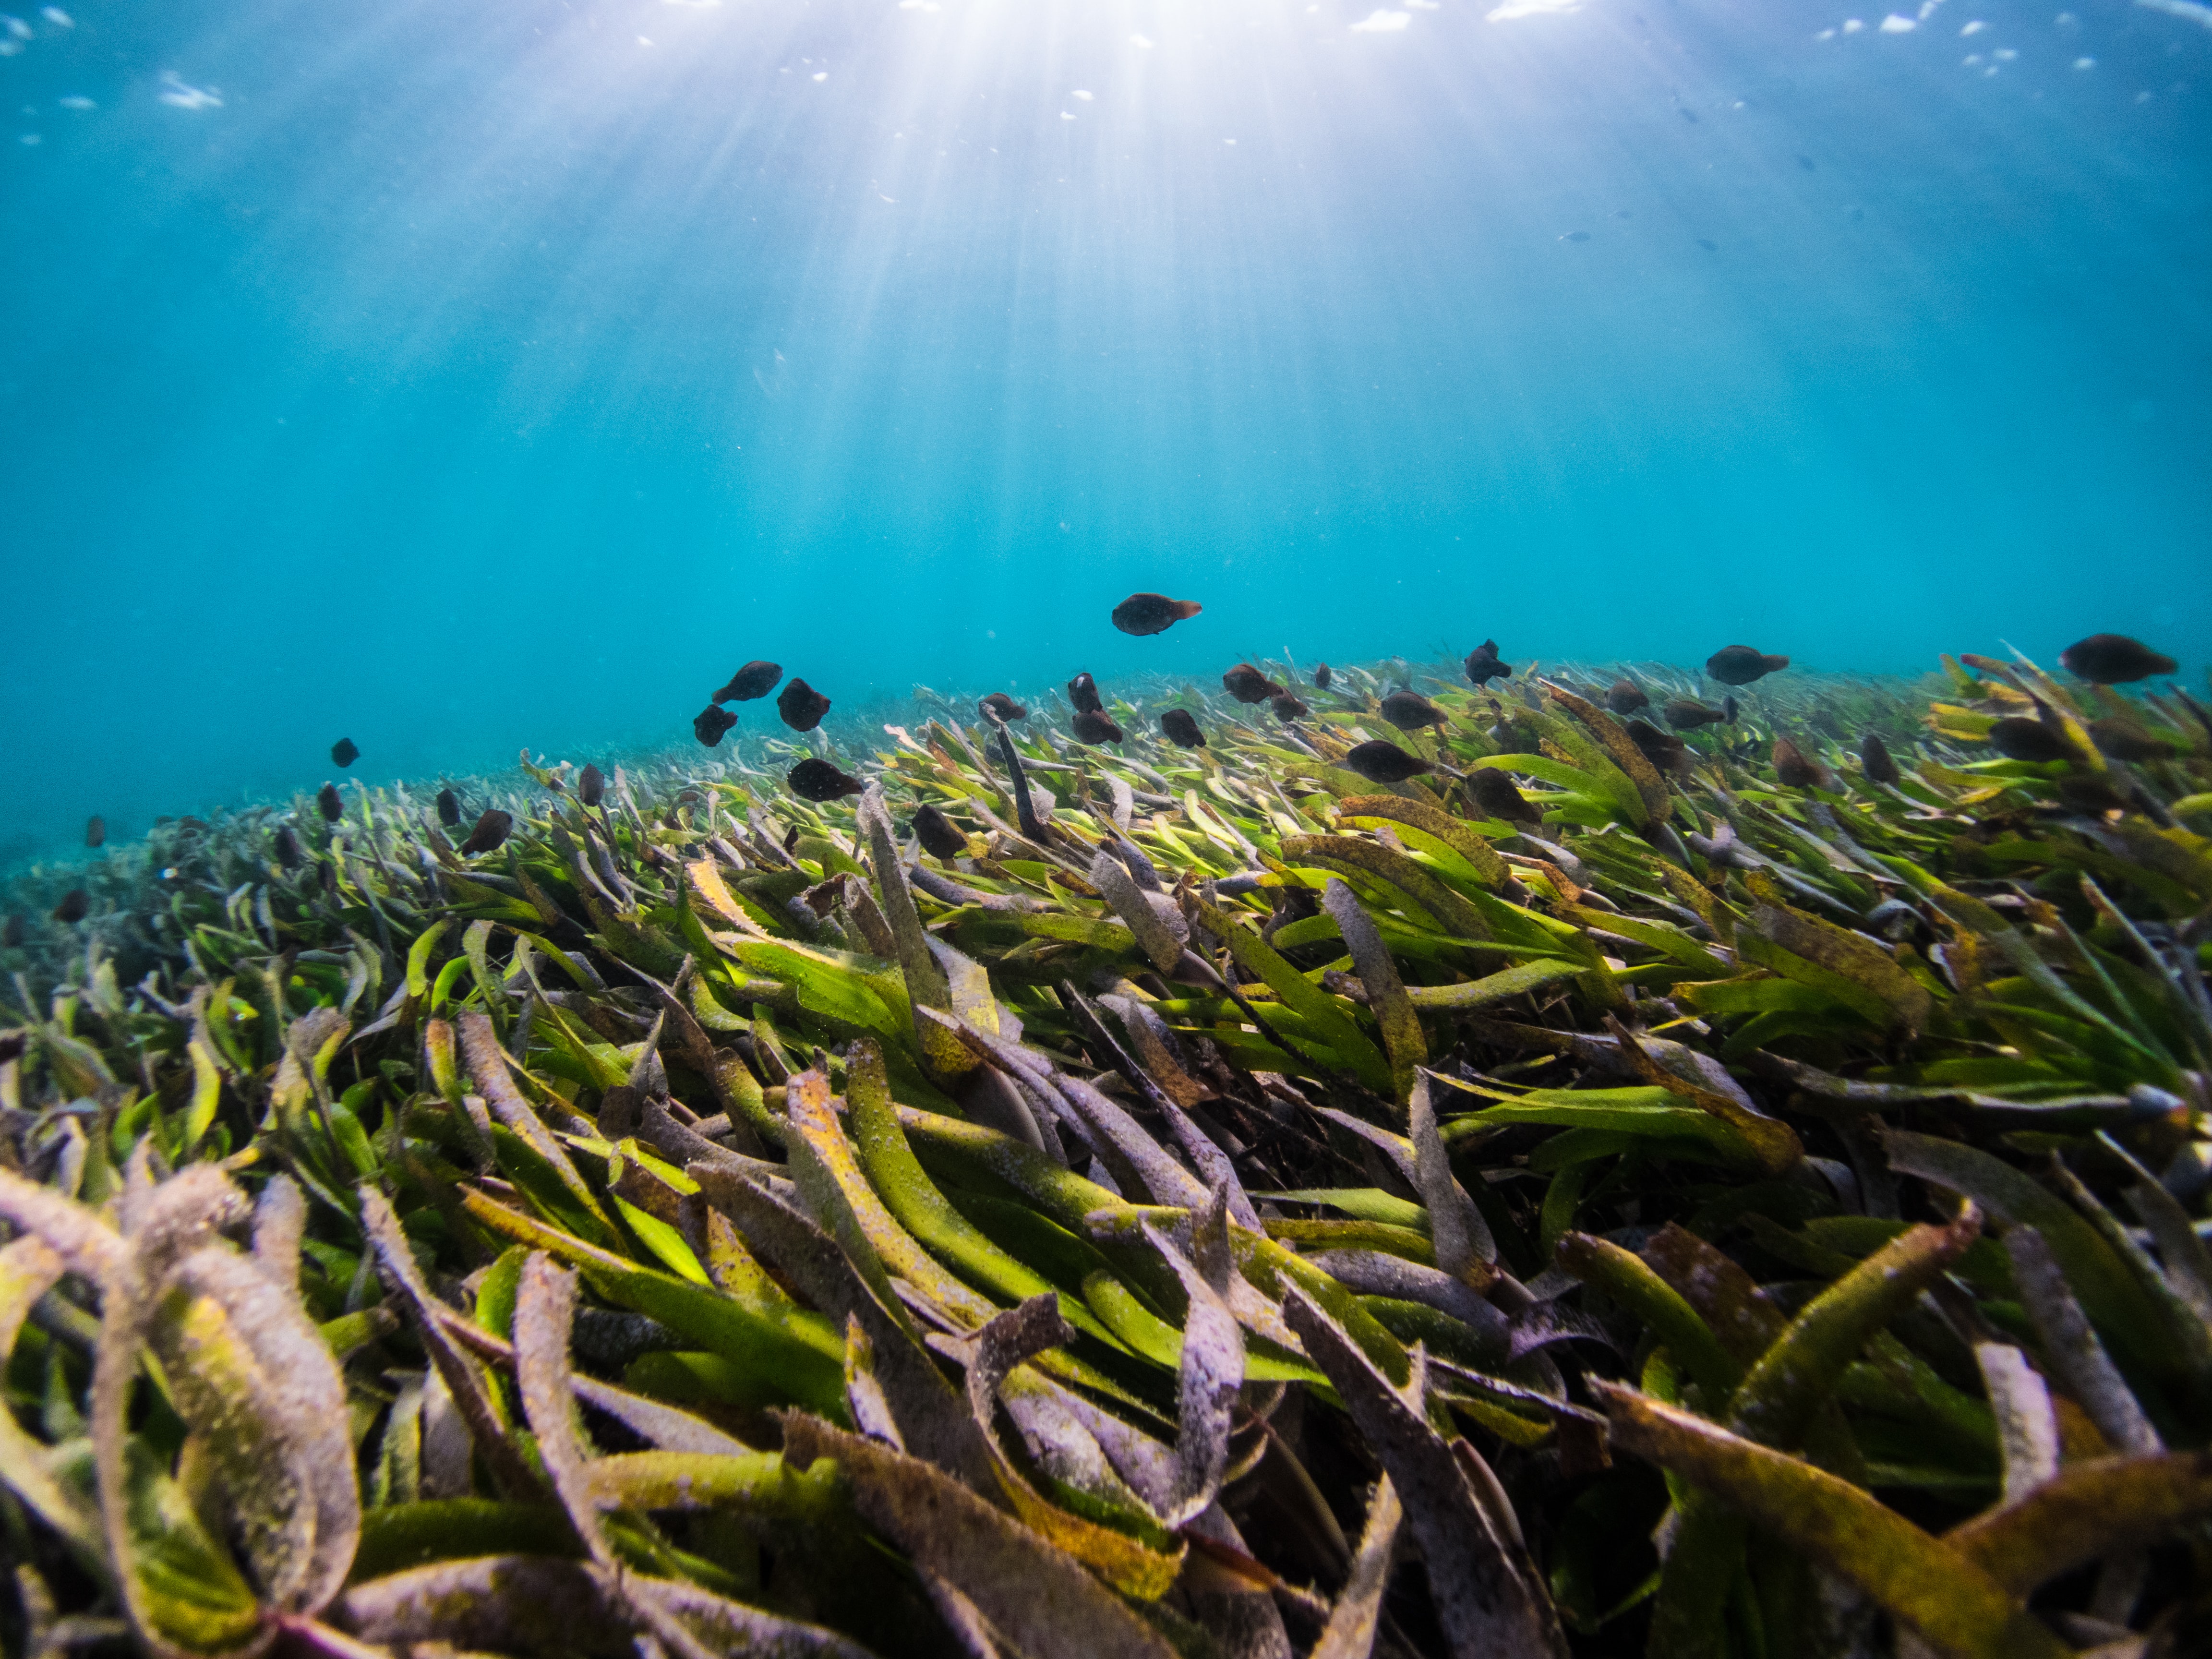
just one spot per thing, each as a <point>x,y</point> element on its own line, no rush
<point>1647,1182</point>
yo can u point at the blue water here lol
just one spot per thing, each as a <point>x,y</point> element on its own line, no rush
<point>466,376</point>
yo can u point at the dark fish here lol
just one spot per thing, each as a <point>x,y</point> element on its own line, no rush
<point>2091,792</point>
<point>331,803</point>
<point>1625,697</point>
<point>801,705</point>
<point>1003,706</point>
<point>290,853</point>
<point>1495,795</point>
<point>1083,695</point>
<point>96,831</point>
<point>2114,659</point>
<point>75,905</point>
<point>1384,763</point>
<point>1710,247</point>
<point>939,837</point>
<point>1729,708</point>
<point>1875,757</point>
<point>1576,236</point>
<point>1247,684</point>
<point>591,785</point>
<point>1181,728</point>
<point>1740,665</point>
<point>343,752</point>
<point>1152,613</point>
<point>1289,707</point>
<point>1791,768</point>
<point>326,873</point>
<point>449,808</point>
<point>1322,676</point>
<point>818,781</point>
<point>1806,162</point>
<point>2017,737</point>
<point>755,679</point>
<point>1097,726</point>
<point>1409,711</point>
<point>493,827</point>
<point>710,723</point>
<point>1482,663</point>
<point>1687,714</point>
<point>1663,748</point>
<point>11,931</point>
<point>2123,742</point>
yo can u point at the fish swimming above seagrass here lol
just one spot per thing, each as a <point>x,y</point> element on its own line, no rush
<point>1379,761</point>
<point>1083,694</point>
<point>2114,659</point>
<point>939,837</point>
<point>819,780</point>
<point>1097,726</point>
<point>492,828</point>
<point>755,679</point>
<point>1740,665</point>
<point>1247,684</point>
<point>1180,726</point>
<point>998,706</point>
<point>344,752</point>
<point>801,705</point>
<point>1482,664</point>
<point>711,723</point>
<point>1152,613</point>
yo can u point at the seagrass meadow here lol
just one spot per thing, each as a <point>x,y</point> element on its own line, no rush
<point>1740,1191</point>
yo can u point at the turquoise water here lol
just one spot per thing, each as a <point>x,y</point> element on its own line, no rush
<point>462,377</point>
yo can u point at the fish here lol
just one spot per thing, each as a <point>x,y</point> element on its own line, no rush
<point>939,837</point>
<point>331,802</point>
<point>1689,115</point>
<point>344,752</point>
<point>1097,726</point>
<point>290,853</point>
<point>1710,246</point>
<point>1000,706</point>
<point>1740,665</point>
<point>711,723</point>
<point>1379,761</point>
<point>492,828</point>
<point>2091,792</point>
<point>1482,664</point>
<point>2114,659</point>
<point>1625,697</point>
<point>1687,714</point>
<point>2125,742</point>
<point>590,786</point>
<point>1409,711</point>
<point>1728,709</point>
<point>801,705</point>
<point>818,781</point>
<point>1496,796</point>
<point>449,808</point>
<point>1247,684</point>
<point>75,906</point>
<point>1806,162</point>
<point>1791,768</point>
<point>11,931</point>
<point>755,679</point>
<point>1152,613</point>
<point>1663,748</point>
<point>1289,707</point>
<point>1180,726</point>
<point>1875,757</point>
<point>1322,676</point>
<point>2017,737</point>
<point>1083,695</point>
<point>96,831</point>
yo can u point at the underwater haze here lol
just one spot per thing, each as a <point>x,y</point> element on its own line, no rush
<point>463,377</point>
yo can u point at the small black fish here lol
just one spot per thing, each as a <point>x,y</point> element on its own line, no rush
<point>1152,613</point>
<point>1083,695</point>
<point>818,781</point>
<point>96,831</point>
<point>710,724</point>
<point>1806,162</point>
<point>939,837</point>
<point>1003,706</point>
<point>1384,763</point>
<point>1663,748</point>
<point>801,705</point>
<point>1791,768</point>
<point>2091,792</point>
<point>326,873</point>
<point>1409,711</point>
<point>2019,738</point>
<point>2114,659</point>
<point>1689,115</point>
<point>1181,728</point>
<point>1289,707</point>
<point>1322,676</point>
<point>449,808</point>
<point>1247,684</point>
<point>1576,236</point>
<point>343,752</point>
<point>75,905</point>
<point>1729,708</point>
<point>331,805</point>
<point>2125,742</point>
<point>590,786</point>
<point>1625,697</point>
<point>1496,796</point>
<point>493,827</point>
<point>1710,247</point>
<point>11,931</point>
<point>1740,665</point>
<point>1622,213</point>
<point>1687,714</point>
<point>1875,758</point>
<point>1097,726</point>
<point>1482,664</point>
<point>755,679</point>
<point>290,853</point>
